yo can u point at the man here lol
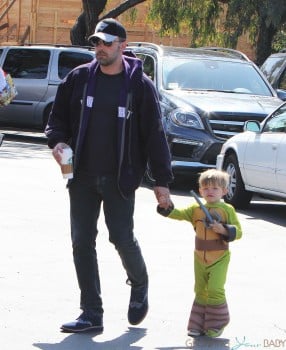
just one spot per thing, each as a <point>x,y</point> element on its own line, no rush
<point>108,112</point>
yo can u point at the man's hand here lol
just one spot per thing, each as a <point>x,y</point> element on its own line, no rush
<point>163,196</point>
<point>57,150</point>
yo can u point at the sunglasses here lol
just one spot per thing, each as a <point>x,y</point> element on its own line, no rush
<point>96,42</point>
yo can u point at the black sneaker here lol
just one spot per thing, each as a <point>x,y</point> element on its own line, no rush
<point>138,304</point>
<point>84,323</point>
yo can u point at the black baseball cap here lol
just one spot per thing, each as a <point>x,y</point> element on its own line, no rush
<point>108,30</point>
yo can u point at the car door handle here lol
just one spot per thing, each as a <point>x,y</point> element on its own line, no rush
<point>274,146</point>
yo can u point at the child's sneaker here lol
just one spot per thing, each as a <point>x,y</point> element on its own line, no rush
<point>214,333</point>
<point>195,333</point>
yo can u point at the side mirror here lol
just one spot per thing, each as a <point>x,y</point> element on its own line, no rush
<point>281,94</point>
<point>1,138</point>
<point>251,125</point>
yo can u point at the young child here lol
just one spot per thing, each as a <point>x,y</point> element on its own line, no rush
<point>209,314</point>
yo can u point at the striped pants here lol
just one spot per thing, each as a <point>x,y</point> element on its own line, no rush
<point>210,310</point>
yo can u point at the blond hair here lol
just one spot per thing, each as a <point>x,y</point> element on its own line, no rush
<point>214,177</point>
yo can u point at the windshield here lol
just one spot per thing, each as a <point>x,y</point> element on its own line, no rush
<point>193,74</point>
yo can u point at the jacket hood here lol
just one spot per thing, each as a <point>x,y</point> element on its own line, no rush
<point>133,66</point>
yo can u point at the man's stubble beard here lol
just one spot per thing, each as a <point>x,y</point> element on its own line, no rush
<point>107,60</point>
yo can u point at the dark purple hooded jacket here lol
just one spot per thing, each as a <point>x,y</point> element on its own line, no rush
<point>141,137</point>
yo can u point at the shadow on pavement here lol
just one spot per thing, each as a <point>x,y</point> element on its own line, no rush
<point>85,341</point>
<point>208,343</point>
<point>21,150</point>
<point>266,210</point>
<point>202,343</point>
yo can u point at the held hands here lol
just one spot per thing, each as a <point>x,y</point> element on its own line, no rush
<point>163,197</point>
<point>165,205</point>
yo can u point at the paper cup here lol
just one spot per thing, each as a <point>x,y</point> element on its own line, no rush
<point>66,163</point>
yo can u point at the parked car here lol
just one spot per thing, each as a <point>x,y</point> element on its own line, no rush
<point>36,71</point>
<point>255,160</point>
<point>274,68</point>
<point>206,95</point>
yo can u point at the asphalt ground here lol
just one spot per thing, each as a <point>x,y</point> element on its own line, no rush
<point>39,292</point>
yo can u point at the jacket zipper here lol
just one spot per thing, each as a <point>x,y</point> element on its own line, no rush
<point>121,155</point>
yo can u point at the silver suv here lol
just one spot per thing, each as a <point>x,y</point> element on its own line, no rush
<point>37,71</point>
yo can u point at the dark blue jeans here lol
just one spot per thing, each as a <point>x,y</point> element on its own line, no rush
<point>86,196</point>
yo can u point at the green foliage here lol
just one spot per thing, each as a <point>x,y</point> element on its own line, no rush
<point>201,19</point>
<point>169,13</point>
<point>279,41</point>
<point>195,17</point>
<point>131,15</point>
<point>218,21</point>
<point>241,17</point>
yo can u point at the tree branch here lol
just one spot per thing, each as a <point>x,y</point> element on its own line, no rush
<point>122,8</point>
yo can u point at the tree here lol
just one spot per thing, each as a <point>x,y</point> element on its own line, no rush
<point>279,42</point>
<point>208,22</point>
<point>263,19</point>
<point>221,22</point>
<point>87,20</point>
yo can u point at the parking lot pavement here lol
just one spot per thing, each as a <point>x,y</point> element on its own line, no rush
<point>38,285</point>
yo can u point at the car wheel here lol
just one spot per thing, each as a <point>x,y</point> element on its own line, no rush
<point>237,195</point>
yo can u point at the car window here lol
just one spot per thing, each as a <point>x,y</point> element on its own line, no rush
<point>27,63</point>
<point>69,60</point>
<point>277,123</point>
<point>282,81</point>
<point>213,75</point>
<point>271,67</point>
<point>148,65</point>
<point>1,51</point>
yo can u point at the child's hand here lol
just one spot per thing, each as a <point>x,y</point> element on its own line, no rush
<point>218,228</point>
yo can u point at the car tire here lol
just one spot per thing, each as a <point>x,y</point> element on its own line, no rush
<point>237,195</point>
